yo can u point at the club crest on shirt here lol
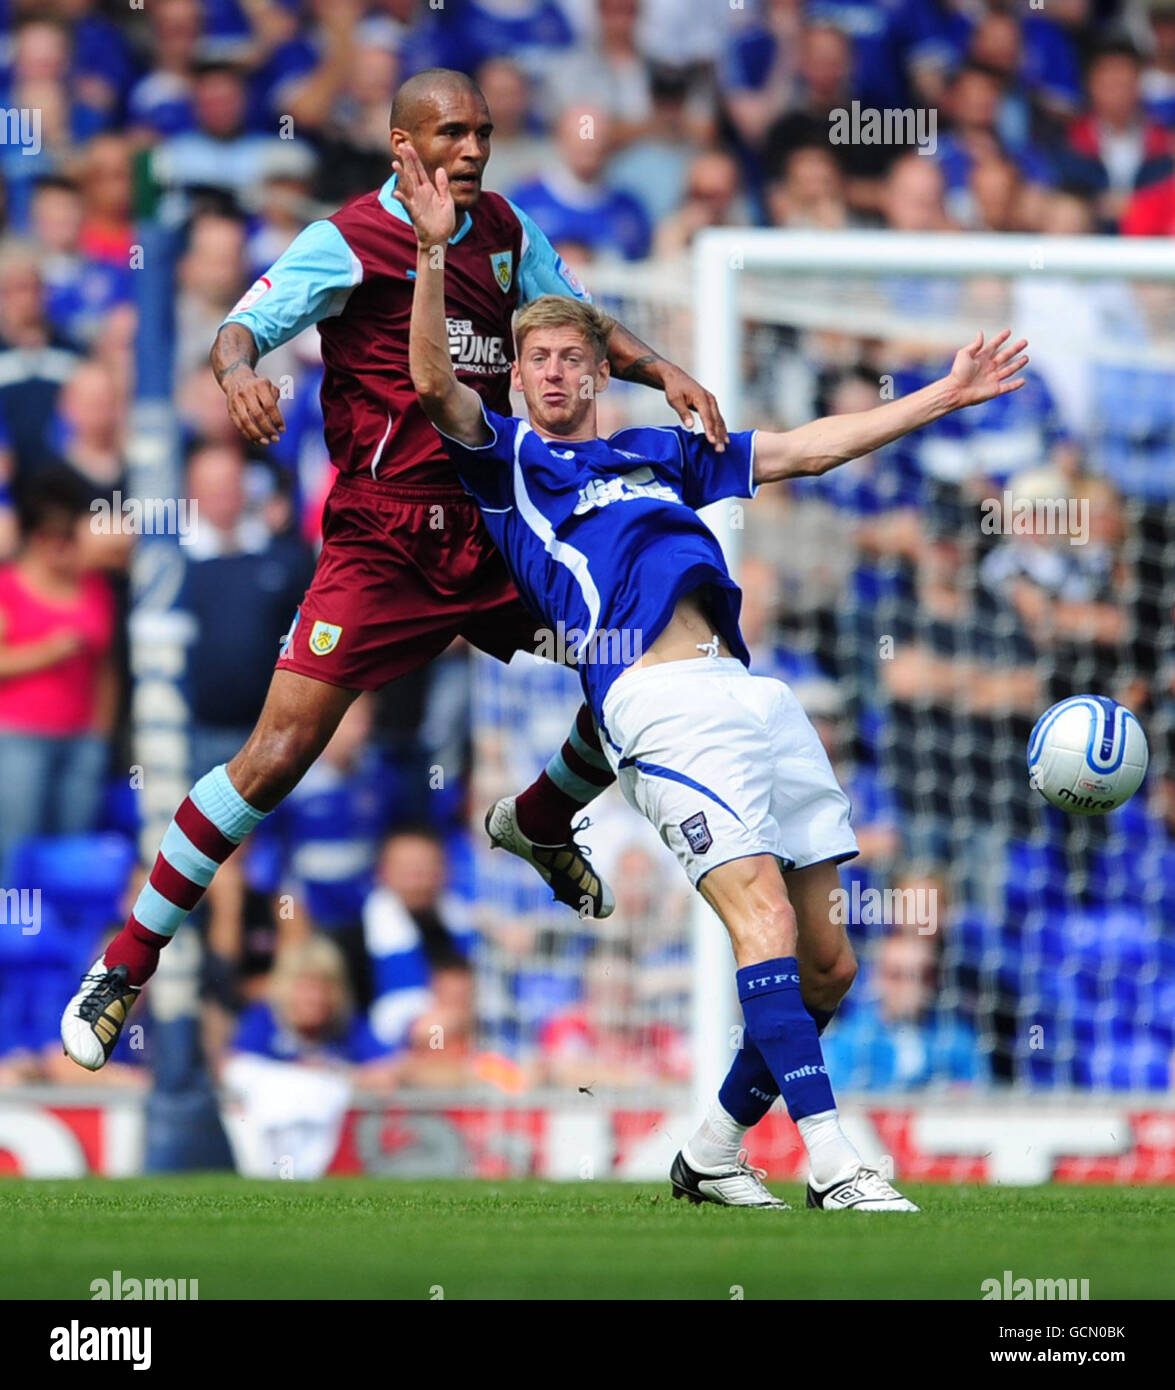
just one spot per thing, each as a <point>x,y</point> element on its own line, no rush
<point>502,263</point>
<point>324,638</point>
<point>697,833</point>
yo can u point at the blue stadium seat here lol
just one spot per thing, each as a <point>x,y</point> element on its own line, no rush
<point>39,971</point>
<point>81,877</point>
<point>120,808</point>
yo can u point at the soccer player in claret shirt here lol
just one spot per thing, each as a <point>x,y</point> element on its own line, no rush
<point>603,536</point>
<point>407,564</point>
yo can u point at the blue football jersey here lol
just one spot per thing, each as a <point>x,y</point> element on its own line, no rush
<point>602,536</point>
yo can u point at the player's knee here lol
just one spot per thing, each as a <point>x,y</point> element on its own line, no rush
<point>826,987</point>
<point>272,763</point>
<point>766,933</point>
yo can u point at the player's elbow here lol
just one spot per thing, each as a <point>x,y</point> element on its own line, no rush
<point>432,390</point>
<point>436,397</point>
<point>813,467</point>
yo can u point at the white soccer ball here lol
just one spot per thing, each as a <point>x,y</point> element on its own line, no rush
<point>1087,755</point>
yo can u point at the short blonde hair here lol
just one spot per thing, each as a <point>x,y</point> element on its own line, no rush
<point>317,955</point>
<point>561,311</point>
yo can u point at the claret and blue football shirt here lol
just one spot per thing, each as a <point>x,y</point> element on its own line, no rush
<point>602,536</point>
<point>353,274</point>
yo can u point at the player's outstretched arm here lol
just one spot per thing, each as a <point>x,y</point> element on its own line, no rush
<point>453,408</point>
<point>252,399</point>
<point>978,374</point>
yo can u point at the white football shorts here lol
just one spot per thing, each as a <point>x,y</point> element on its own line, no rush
<point>725,765</point>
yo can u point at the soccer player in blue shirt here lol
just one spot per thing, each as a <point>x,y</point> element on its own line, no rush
<point>603,539</point>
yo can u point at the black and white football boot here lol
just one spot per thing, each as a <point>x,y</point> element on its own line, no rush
<point>566,867</point>
<point>863,1189</point>
<point>93,1018</point>
<point>738,1186</point>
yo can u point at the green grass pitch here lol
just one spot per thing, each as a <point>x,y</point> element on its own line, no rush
<point>383,1238</point>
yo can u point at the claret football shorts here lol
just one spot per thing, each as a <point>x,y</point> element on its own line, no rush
<point>401,574</point>
<point>725,765</point>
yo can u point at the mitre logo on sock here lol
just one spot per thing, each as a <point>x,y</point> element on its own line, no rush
<point>805,1071</point>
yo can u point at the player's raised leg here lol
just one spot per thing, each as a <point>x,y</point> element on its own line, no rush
<point>537,823</point>
<point>295,725</point>
<point>782,1053</point>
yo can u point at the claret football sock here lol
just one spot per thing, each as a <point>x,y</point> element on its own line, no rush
<point>212,821</point>
<point>786,1036</point>
<point>576,774</point>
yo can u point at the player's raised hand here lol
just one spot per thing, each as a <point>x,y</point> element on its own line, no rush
<point>686,395</point>
<point>430,205</point>
<point>253,407</point>
<point>981,372</point>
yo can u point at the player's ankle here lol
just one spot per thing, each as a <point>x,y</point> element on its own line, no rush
<point>138,949</point>
<point>541,817</point>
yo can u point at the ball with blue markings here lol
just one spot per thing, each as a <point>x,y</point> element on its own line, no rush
<point>1087,755</point>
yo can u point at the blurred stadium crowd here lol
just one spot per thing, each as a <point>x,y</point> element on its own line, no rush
<point>624,127</point>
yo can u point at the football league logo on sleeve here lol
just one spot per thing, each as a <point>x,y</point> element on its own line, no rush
<point>324,638</point>
<point>697,833</point>
<point>252,295</point>
<point>571,280</point>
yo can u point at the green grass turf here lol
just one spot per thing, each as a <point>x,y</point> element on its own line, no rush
<point>380,1238</point>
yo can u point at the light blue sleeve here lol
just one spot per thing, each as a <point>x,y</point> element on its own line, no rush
<point>543,269</point>
<point>311,280</point>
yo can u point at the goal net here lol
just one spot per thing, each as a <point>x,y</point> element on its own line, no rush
<point>926,604</point>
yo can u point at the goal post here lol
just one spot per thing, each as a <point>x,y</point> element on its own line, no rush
<point>774,323</point>
<point>740,276</point>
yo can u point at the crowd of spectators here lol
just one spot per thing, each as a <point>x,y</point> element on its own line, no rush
<point>624,127</point>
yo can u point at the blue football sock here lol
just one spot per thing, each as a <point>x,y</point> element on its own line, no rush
<point>749,1090</point>
<point>823,1018</point>
<point>785,1035</point>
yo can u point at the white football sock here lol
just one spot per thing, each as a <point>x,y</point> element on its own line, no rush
<point>716,1142</point>
<point>830,1154</point>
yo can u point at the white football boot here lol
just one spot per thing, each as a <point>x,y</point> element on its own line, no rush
<point>93,1018</point>
<point>863,1189</point>
<point>565,868</point>
<point>738,1186</point>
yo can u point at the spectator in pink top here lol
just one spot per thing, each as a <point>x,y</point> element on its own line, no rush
<point>57,683</point>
